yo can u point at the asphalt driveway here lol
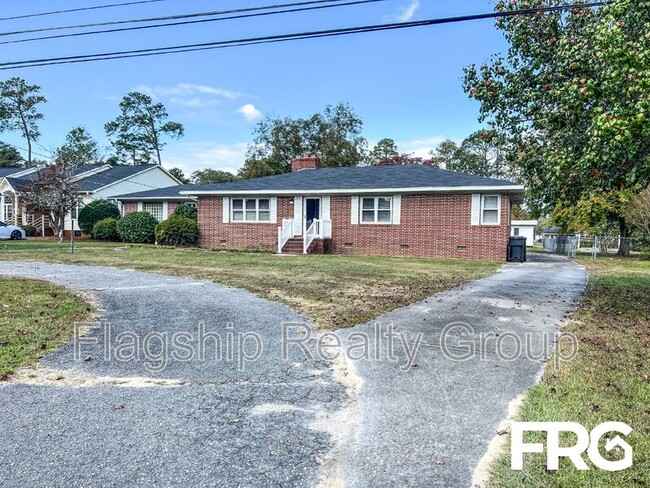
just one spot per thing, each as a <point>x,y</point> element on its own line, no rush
<point>403,413</point>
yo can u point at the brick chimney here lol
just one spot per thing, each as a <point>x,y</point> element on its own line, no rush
<point>307,161</point>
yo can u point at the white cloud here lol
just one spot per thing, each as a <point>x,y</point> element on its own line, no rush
<point>250,112</point>
<point>189,94</point>
<point>194,156</point>
<point>405,12</point>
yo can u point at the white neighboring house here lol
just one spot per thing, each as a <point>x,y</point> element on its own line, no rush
<point>524,228</point>
<point>95,182</point>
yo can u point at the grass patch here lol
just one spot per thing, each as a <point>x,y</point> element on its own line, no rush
<point>331,290</point>
<point>609,380</point>
<point>35,318</point>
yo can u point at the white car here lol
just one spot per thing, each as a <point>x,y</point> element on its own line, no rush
<point>11,232</point>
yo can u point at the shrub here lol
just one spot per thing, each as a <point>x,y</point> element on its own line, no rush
<point>177,231</point>
<point>30,230</point>
<point>185,210</point>
<point>94,212</point>
<point>137,227</point>
<point>106,229</point>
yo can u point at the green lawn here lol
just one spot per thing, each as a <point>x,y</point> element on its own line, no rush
<point>608,381</point>
<point>35,318</point>
<point>331,290</point>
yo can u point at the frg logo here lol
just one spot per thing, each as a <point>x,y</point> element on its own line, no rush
<point>586,442</point>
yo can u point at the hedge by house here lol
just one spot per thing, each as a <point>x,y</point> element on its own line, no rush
<point>185,210</point>
<point>106,230</point>
<point>137,227</point>
<point>94,212</point>
<point>177,231</point>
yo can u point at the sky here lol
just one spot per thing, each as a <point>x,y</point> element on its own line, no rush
<point>404,84</point>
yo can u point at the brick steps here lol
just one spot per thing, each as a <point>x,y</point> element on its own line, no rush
<point>293,246</point>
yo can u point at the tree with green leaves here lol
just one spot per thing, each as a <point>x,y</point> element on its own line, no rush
<point>572,98</point>
<point>207,176</point>
<point>18,110</point>
<point>179,175</point>
<point>9,156</point>
<point>444,155</point>
<point>137,133</point>
<point>482,153</point>
<point>384,150</point>
<point>334,134</point>
<point>79,149</point>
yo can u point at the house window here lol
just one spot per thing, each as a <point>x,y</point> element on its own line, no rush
<point>251,210</point>
<point>154,208</point>
<point>191,204</point>
<point>9,211</point>
<point>515,231</point>
<point>376,210</point>
<point>490,210</point>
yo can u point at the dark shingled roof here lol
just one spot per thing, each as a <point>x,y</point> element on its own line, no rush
<point>4,172</point>
<point>168,193</point>
<point>359,178</point>
<point>112,175</point>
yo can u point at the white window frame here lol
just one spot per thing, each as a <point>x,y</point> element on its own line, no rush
<point>191,204</point>
<point>498,209</point>
<point>154,215</point>
<point>376,210</point>
<point>244,211</point>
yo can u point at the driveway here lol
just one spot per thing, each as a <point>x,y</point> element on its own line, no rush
<point>431,424</point>
<point>421,418</point>
<point>100,421</point>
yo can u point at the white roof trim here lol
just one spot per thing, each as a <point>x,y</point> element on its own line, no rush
<point>523,222</point>
<point>91,172</point>
<point>25,172</point>
<point>142,199</point>
<point>365,191</point>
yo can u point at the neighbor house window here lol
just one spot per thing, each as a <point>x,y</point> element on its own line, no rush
<point>490,209</point>
<point>191,204</point>
<point>515,232</point>
<point>154,208</point>
<point>251,210</point>
<point>376,210</point>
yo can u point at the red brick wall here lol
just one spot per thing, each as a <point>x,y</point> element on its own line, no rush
<point>431,226</point>
<point>241,235</point>
<point>129,207</point>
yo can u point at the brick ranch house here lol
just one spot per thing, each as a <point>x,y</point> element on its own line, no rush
<point>95,182</point>
<point>408,210</point>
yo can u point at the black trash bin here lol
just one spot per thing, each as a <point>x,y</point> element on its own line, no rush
<point>517,249</point>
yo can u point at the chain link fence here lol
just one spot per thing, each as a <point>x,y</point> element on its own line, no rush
<point>571,245</point>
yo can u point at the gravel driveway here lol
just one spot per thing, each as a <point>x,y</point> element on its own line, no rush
<point>421,418</point>
<point>98,422</point>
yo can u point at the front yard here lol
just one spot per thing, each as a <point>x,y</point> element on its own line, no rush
<point>332,291</point>
<point>609,380</point>
<point>36,317</point>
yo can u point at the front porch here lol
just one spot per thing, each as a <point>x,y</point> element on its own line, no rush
<point>14,212</point>
<point>315,240</point>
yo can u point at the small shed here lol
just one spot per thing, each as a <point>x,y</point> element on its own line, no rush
<point>524,228</point>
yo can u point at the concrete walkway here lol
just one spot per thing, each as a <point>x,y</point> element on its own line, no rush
<point>421,418</point>
<point>430,425</point>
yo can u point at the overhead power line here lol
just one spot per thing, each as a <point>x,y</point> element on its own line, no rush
<point>167,17</point>
<point>80,9</point>
<point>287,37</point>
<point>218,19</point>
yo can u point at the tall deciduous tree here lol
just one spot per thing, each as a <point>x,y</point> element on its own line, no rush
<point>138,131</point>
<point>79,148</point>
<point>482,153</point>
<point>179,175</point>
<point>572,96</point>
<point>9,156</point>
<point>334,134</point>
<point>53,193</point>
<point>18,110</point>
<point>384,150</point>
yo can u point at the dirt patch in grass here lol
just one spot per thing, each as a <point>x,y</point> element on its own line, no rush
<point>35,318</point>
<point>332,291</point>
<point>609,380</point>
